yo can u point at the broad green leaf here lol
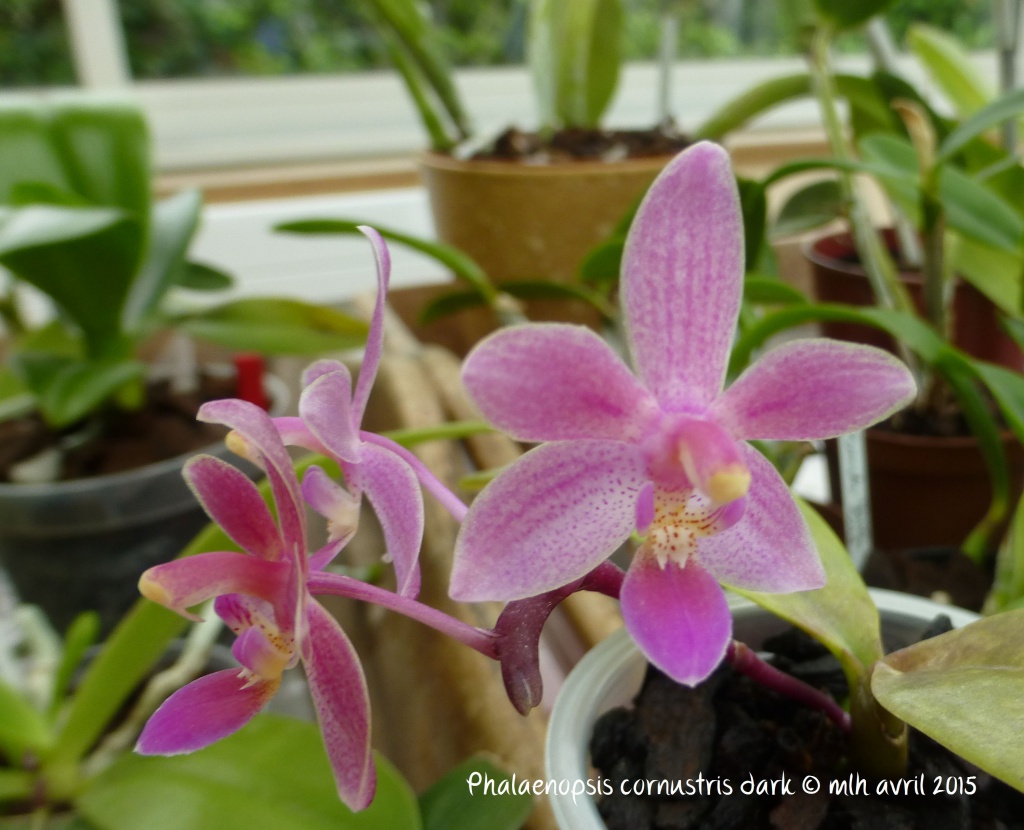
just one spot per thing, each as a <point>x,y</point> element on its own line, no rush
<point>449,805</point>
<point>995,273</point>
<point>451,257</point>
<point>602,264</point>
<point>842,615</point>
<point>45,193</point>
<point>1007,387</point>
<point>173,225</point>
<point>754,208</point>
<point>810,207</point>
<point>276,326</point>
<point>67,390</point>
<point>26,151</point>
<point>15,785</point>
<point>198,276</point>
<point>604,57</point>
<point>842,14</point>
<point>58,821</point>
<point>273,773</point>
<point>22,727</point>
<point>83,258</point>
<point>82,634</point>
<point>1005,107</point>
<point>950,66</point>
<point>1008,582</point>
<point>104,148</point>
<point>963,689</point>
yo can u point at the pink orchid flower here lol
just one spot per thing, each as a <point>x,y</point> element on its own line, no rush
<point>663,451</point>
<point>264,598</point>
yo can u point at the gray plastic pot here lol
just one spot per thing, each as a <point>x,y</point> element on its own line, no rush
<point>77,545</point>
<point>611,674</point>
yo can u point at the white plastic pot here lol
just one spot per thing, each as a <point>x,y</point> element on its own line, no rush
<point>611,674</point>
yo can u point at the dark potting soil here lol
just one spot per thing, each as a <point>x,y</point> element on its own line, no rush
<point>163,428</point>
<point>730,734</point>
<point>579,144</point>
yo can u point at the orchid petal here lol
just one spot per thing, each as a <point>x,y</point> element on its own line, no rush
<point>183,583</point>
<point>258,430</point>
<point>816,388</point>
<point>712,460</point>
<point>326,407</point>
<point>551,517</point>
<point>295,433</point>
<point>679,617</point>
<point>240,612</point>
<point>333,502</point>
<point>771,549</point>
<point>682,278</point>
<point>265,659</point>
<point>375,338</point>
<point>394,491</point>
<point>204,711</point>
<point>555,382</point>
<point>342,703</point>
<point>319,368</point>
<point>233,501</point>
<point>323,557</point>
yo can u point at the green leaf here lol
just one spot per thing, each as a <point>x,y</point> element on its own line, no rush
<point>810,207</point>
<point>981,665</point>
<point>30,193</point>
<point>1005,107</point>
<point>841,615</point>
<point>67,390</point>
<point>1007,387</point>
<point>950,66</point>
<point>199,276</point>
<point>26,151</point>
<point>842,14</point>
<point>550,290</point>
<point>448,804</point>
<point>451,302</point>
<point>604,57</point>
<point>463,266</point>
<point>771,291</point>
<point>276,326</point>
<point>175,220</point>
<point>995,273</point>
<point>754,208</point>
<point>601,267</point>
<point>22,728</point>
<point>15,785</point>
<point>83,258</point>
<point>273,773</point>
<point>16,399</point>
<point>82,634</point>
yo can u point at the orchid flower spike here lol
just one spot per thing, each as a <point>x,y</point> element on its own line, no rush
<point>330,415</point>
<point>664,451</point>
<point>263,597</point>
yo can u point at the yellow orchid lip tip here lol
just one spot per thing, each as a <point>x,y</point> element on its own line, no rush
<point>153,590</point>
<point>238,445</point>
<point>728,484</point>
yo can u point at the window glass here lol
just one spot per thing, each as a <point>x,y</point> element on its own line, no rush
<point>33,44</point>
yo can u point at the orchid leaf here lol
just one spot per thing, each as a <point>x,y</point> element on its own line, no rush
<point>44,193</point>
<point>449,805</point>
<point>950,66</point>
<point>273,773</point>
<point>841,615</point>
<point>82,634</point>
<point>1005,107</point>
<point>810,207</point>
<point>22,727</point>
<point>603,59</point>
<point>842,14</point>
<point>995,273</point>
<point>198,276</point>
<point>15,785</point>
<point>460,264</point>
<point>67,389</point>
<point>1007,387</point>
<point>928,684</point>
<point>26,151</point>
<point>1008,582</point>
<point>15,398</point>
<point>754,206</point>
<point>276,326</point>
<point>173,225</point>
<point>451,302</point>
<point>771,291</point>
<point>602,264</point>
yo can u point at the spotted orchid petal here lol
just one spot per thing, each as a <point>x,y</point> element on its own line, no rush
<point>183,583</point>
<point>682,278</point>
<point>771,549</point>
<point>811,389</point>
<point>326,408</point>
<point>260,436</point>
<point>678,616</point>
<point>712,460</point>
<point>342,705</point>
<point>204,711</point>
<point>375,338</point>
<point>233,501</point>
<point>528,382</point>
<point>394,492</point>
<point>554,515</point>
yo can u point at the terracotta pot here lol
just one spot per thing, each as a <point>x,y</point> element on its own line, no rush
<point>529,221</point>
<point>928,491</point>
<point>838,277</point>
<point>611,674</point>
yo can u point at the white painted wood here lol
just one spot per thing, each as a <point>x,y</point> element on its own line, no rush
<point>97,43</point>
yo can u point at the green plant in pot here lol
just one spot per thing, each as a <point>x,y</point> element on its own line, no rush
<point>659,451</point>
<point>500,204</point>
<point>80,230</point>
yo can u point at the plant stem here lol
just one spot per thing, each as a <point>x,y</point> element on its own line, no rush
<point>478,639</point>
<point>878,740</point>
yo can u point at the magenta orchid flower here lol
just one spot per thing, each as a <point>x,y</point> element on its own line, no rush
<point>664,451</point>
<point>263,597</point>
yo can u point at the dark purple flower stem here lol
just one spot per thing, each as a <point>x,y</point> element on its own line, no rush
<point>479,639</point>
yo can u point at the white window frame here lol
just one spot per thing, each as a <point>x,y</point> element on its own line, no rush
<point>209,123</point>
